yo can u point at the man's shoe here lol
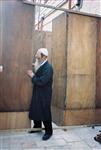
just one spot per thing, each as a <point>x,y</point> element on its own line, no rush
<point>46,136</point>
<point>96,138</point>
<point>35,130</point>
<point>99,136</point>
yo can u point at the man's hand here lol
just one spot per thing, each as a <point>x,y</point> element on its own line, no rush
<point>30,73</point>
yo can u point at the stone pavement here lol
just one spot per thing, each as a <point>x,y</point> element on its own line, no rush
<point>74,138</point>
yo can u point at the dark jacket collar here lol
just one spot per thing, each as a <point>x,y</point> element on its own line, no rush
<point>42,66</point>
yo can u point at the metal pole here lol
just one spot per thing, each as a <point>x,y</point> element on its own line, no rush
<point>61,9</point>
<point>44,5</point>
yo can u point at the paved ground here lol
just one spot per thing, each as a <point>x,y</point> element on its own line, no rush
<point>75,138</point>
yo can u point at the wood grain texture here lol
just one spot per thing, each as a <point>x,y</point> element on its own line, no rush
<point>82,38</point>
<point>82,117</point>
<point>15,86</point>
<point>74,87</point>
<point>79,117</point>
<point>98,66</point>
<point>14,120</point>
<point>59,59</point>
<point>1,26</point>
<point>57,115</point>
<point>42,39</point>
<point>81,61</point>
<point>80,92</point>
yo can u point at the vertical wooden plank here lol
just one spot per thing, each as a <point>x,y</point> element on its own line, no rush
<point>98,67</point>
<point>49,45</point>
<point>42,39</point>
<point>58,115</point>
<point>81,62</point>
<point>14,120</point>
<point>81,44</point>
<point>0,32</point>
<point>59,59</point>
<point>80,92</point>
<point>79,117</point>
<point>15,86</point>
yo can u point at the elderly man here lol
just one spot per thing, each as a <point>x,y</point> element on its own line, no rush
<point>40,107</point>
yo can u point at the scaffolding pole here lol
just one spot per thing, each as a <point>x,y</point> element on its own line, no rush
<point>61,9</point>
<point>44,5</point>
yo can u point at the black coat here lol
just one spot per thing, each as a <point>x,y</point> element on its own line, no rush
<point>40,107</point>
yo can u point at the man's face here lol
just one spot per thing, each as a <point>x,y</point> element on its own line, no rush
<point>38,55</point>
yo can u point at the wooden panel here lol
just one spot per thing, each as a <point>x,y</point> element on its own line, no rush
<point>49,45</point>
<point>59,59</point>
<point>80,91</point>
<point>15,86</point>
<point>14,120</point>
<point>58,115</point>
<point>98,67</point>
<point>42,39</point>
<point>81,44</point>
<point>97,116</point>
<point>0,34</point>
<point>82,117</point>
<point>81,62</point>
<point>79,117</point>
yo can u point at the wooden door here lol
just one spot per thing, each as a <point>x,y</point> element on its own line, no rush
<point>16,26</point>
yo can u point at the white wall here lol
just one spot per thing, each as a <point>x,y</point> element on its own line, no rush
<point>92,6</point>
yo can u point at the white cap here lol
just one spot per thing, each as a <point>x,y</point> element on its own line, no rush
<point>44,51</point>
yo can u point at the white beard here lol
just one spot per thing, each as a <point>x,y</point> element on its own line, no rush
<point>36,65</point>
